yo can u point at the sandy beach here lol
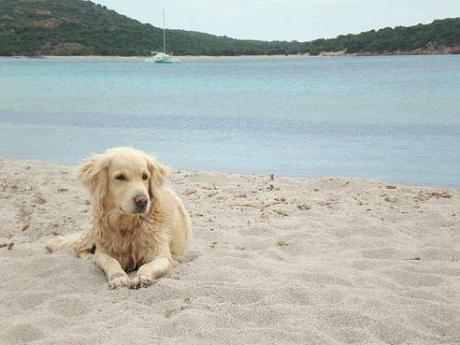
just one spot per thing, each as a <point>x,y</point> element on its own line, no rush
<point>273,261</point>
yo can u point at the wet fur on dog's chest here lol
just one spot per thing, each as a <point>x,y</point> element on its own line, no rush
<point>128,250</point>
<point>131,240</point>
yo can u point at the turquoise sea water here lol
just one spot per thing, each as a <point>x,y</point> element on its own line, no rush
<point>389,118</point>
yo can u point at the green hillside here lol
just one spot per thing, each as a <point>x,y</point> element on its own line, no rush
<point>441,36</point>
<point>75,27</point>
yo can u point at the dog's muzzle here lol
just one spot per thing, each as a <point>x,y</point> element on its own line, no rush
<point>140,202</point>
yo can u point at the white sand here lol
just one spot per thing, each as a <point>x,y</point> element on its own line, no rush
<point>289,261</point>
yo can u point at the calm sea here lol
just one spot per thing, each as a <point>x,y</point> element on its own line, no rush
<point>389,118</point>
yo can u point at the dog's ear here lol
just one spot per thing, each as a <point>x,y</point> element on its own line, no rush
<point>158,175</point>
<point>93,175</point>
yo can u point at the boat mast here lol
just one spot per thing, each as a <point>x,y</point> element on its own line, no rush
<point>164,33</point>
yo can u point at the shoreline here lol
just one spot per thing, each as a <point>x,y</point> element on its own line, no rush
<point>142,58</point>
<point>295,178</point>
<point>225,57</point>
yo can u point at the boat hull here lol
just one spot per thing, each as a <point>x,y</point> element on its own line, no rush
<point>161,58</point>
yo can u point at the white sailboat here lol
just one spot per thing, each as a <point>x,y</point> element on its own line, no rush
<point>162,57</point>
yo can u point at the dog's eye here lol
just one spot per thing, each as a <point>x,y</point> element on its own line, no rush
<point>121,177</point>
<point>145,177</point>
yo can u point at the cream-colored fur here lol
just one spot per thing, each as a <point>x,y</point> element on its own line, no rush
<point>123,236</point>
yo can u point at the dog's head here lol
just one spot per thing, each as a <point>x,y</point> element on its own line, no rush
<point>123,179</point>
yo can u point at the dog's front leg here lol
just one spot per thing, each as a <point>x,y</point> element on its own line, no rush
<point>148,272</point>
<point>116,277</point>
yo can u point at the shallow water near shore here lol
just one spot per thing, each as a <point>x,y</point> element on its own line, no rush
<point>389,118</point>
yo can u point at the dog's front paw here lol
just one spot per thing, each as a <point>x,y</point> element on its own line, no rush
<point>140,280</point>
<point>118,280</point>
<point>55,244</point>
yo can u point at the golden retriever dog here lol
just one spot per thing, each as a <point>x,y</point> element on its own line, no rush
<point>137,222</point>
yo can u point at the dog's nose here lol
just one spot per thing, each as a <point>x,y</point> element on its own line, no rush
<point>141,201</point>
